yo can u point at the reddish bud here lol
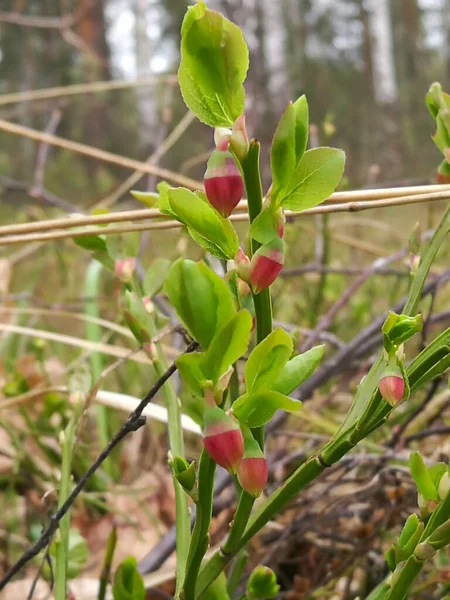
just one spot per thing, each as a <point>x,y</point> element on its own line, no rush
<point>124,269</point>
<point>266,264</point>
<point>223,182</point>
<point>392,385</point>
<point>223,439</point>
<point>253,471</point>
<point>443,172</point>
<point>242,262</point>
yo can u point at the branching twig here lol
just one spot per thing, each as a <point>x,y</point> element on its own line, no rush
<point>134,422</point>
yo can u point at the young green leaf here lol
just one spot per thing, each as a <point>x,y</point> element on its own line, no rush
<point>190,368</point>
<point>155,276</point>
<point>214,63</point>
<point>267,360</point>
<point>201,298</point>
<point>289,144</point>
<point>297,370</point>
<point>229,344</point>
<point>204,223</point>
<point>422,477</point>
<point>128,583</point>
<point>148,199</point>
<point>315,179</point>
<point>255,409</point>
<point>264,228</point>
<point>94,243</point>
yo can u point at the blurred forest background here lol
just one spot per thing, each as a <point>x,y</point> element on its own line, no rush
<point>365,66</point>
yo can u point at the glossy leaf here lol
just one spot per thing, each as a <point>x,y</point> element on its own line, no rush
<point>264,227</point>
<point>289,144</point>
<point>149,199</point>
<point>190,368</point>
<point>201,298</point>
<point>128,583</point>
<point>209,229</point>
<point>155,276</point>
<point>229,344</point>
<point>422,477</point>
<point>315,179</point>
<point>94,243</point>
<point>258,408</point>
<point>267,360</point>
<point>214,63</point>
<point>298,369</point>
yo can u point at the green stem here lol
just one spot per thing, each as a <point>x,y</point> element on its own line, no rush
<point>176,445</point>
<point>93,333</point>
<point>236,572</point>
<point>379,593</point>
<point>408,575</point>
<point>263,314</point>
<point>200,537</point>
<point>106,569</point>
<point>67,440</point>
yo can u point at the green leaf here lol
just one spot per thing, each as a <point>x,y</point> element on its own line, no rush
<point>297,370</point>
<point>258,408</point>
<point>201,298</point>
<point>163,200</point>
<point>214,63</point>
<point>149,199</point>
<point>264,227</point>
<point>229,344</point>
<point>137,318</point>
<point>315,179</point>
<point>422,477</point>
<point>190,368</point>
<point>217,590</point>
<point>209,229</point>
<point>94,243</point>
<point>128,583</point>
<point>267,360</point>
<point>289,144</point>
<point>441,137</point>
<point>155,276</point>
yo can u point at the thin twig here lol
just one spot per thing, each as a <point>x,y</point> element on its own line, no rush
<point>83,88</point>
<point>9,240</point>
<point>98,154</point>
<point>134,422</point>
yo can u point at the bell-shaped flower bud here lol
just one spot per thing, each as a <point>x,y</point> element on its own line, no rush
<point>392,384</point>
<point>222,137</point>
<point>185,474</point>
<point>242,263</point>
<point>223,439</point>
<point>224,185</point>
<point>124,269</point>
<point>252,473</point>
<point>239,138</point>
<point>262,584</point>
<point>266,264</point>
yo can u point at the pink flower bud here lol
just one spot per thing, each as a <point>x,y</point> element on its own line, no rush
<point>124,269</point>
<point>242,262</point>
<point>223,182</point>
<point>239,138</point>
<point>253,472</point>
<point>392,384</point>
<point>222,137</point>
<point>223,439</point>
<point>266,264</point>
<point>442,178</point>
